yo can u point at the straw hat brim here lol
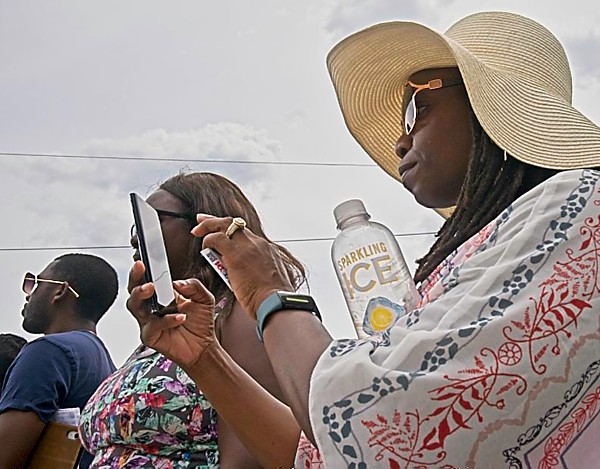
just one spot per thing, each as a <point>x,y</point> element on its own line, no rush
<point>370,68</point>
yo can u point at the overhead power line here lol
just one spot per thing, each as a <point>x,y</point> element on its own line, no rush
<point>185,160</point>
<point>89,248</point>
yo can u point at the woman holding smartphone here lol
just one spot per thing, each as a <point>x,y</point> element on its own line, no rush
<point>499,366</point>
<point>149,413</point>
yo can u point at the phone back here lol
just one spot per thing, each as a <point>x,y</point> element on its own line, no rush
<point>153,251</point>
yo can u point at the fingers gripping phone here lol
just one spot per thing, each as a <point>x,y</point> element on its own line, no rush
<point>153,253</point>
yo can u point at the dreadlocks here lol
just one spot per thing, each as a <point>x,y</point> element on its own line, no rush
<point>493,181</point>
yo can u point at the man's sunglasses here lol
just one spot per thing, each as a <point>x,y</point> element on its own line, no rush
<point>410,114</point>
<point>31,280</point>
<point>191,217</point>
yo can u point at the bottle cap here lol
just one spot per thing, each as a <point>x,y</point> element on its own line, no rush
<point>349,209</point>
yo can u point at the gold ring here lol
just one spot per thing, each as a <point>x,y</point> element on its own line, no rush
<point>237,223</point>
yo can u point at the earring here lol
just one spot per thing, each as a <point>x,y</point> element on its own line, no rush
<point>505,156</point>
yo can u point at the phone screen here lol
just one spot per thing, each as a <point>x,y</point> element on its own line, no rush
<point>152,252</point>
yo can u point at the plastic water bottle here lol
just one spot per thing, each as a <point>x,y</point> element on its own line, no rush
<point>371,269</point>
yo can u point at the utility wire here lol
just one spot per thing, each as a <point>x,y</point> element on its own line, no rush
<point>281,241</point>
<point>185,160</point>
<point>182,160</point>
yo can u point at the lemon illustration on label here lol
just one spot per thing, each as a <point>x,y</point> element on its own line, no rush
<point>381,318</point>
<point>381,314</point>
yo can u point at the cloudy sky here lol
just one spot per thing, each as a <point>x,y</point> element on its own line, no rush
<point>198,82</point>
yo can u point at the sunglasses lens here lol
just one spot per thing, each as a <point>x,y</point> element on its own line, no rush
<point>28,283</point>
<point>410,116</point>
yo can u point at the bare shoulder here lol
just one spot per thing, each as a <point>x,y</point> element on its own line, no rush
<point>239,339</point>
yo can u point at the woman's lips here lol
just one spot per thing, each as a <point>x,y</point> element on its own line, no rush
<point>404,167</point>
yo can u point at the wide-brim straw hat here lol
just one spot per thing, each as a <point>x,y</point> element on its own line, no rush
<point>515,71</point>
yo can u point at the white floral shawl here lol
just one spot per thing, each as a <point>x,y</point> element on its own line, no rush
<point>500,364</point>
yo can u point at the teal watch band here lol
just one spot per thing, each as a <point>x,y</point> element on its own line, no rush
<point>280,301</point>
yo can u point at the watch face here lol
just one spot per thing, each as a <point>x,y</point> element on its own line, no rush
<point>293,299</point>
<point>299,301</point>
<point>281,301</point>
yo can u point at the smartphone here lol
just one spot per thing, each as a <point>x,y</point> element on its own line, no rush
<point>153,253</point>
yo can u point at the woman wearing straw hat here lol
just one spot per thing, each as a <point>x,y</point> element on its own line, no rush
<point>500,364</point>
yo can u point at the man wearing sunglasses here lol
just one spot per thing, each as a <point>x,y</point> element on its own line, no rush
<point>63,368</point>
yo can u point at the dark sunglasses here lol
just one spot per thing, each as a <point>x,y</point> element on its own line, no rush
<point>191,217</point>
<point>30,281</point>
<point>410,114</point>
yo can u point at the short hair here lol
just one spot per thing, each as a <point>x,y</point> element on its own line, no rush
<point>94,279</point>
<point>10,346</point>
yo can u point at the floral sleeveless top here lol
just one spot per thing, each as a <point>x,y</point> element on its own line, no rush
<point>149,414</point>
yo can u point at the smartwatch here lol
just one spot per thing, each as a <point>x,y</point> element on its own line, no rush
<point>280,301</point>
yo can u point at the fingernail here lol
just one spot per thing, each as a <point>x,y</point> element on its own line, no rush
<point>180,317</point>
<point>202,216</point>
<point>145,287</point>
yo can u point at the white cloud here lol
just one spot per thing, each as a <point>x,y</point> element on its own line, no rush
<point>70,197</point>
<point>343,17</point>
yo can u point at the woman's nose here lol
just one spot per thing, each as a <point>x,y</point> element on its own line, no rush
<point>402,145</point>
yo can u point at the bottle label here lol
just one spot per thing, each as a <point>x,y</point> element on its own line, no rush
<point>365,268</point>
<point>381,314</point>
<point>377,286</point>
